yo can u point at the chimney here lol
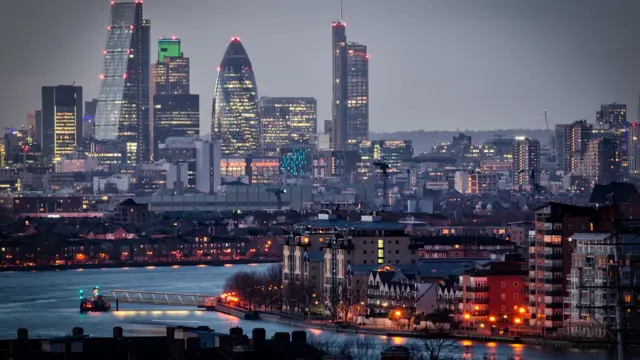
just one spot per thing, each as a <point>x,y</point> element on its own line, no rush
<point>118,333</point>
<point>23,334</point>
<point>77,331</point>
<point>258,335</point>
<point>281,339</point>
<point>299,338</point>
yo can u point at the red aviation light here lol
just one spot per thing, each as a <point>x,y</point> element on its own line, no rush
<point>108,27</point>
<point>131,27</point>
<point>234,39</point>
<point>173,38</point>
<point>128,51</point>
<point>124,76</point>
<point>366,56</point>
<point>218,68</point>
<point>113,3</point>
<point>102,76</point>
<point>105,52</point>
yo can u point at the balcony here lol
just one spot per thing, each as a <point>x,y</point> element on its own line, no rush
<point>555,293</point>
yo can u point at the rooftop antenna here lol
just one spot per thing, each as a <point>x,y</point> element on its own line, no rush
<point>341,10</point>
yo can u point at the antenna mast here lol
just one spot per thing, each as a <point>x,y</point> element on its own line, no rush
<point>341,10</point>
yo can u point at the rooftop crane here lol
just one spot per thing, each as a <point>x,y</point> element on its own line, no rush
<point>384,167</point>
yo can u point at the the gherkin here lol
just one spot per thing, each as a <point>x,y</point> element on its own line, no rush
<point>235,119</point>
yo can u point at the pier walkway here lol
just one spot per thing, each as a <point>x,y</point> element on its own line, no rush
<point>163,298</point>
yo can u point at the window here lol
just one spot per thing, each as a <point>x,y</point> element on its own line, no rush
<point>515,296</point>
<point>397,251</point>
<point>397,242</point>
<point>503,285</point>
<point>364,252</point>
<point>515,284</point>
<point>503,309</point>
<point>397,261</point>
<point>364,261</point>
<point>503,296</point>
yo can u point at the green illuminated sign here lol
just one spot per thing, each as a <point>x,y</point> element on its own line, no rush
<point>168,47</point>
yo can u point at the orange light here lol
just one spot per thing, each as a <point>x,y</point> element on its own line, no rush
<point>477,307</point>
<point>492,318</point>
<point>467,316</point>
<point>517,320</point>
<point>398,313</point>
<point>521,310</point>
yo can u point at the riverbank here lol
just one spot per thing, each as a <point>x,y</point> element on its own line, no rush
<point>121,265</point>
<point>545,343</point>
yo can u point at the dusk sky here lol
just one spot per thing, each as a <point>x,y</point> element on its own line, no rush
<point>439,64</point>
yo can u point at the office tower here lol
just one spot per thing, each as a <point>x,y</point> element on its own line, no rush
<point>171,72</point>
<point>287,122</point>
<point>88,130</point>
<point>208,172</point>
<point>393,152</point>
<point>576,138</point>
<point>61,120</point>
<point>526,163</point>
<point>175,116</point>
<point>633,145</point>
<point>357,95</point>
<point>613,116</point>
<point>122,113</point>
<point>235,119</point>
<point>340,111</point>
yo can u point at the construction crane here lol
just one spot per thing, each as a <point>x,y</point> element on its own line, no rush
<point>384,167</point>
<point>278,193</point>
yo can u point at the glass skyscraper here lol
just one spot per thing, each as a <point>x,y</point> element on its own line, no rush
<point>122,113</point>
<point>235,119</point>
<point>171,72</point>
<point>61,120</point>
<point>287,122</point>
<point>358,95</point>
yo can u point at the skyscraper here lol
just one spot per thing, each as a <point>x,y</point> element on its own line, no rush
<point>633,144</point>
<point>340,85</point>
<point>61,120</point>
<point>171,73</point>
<point>526,162</point>
<point>88,130</point>
<point>175,116</point>
<point>176,112</point>
<point>235,119</point>
<point>287,122</point>
<point>122,113</point>
<point>358,95</point>
<point>576,138</point>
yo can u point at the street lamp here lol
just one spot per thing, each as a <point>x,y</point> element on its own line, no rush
<point>517,321</point>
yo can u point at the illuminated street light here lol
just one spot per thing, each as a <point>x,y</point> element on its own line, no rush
<point>398,313</point>
<point>517,320</point>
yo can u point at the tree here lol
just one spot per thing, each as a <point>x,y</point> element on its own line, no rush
<point>344,298</point>
<point>433,348</point>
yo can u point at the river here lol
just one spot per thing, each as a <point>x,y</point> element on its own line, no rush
<point>46,303</point>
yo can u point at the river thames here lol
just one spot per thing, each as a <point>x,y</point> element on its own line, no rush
<point>46,303</point>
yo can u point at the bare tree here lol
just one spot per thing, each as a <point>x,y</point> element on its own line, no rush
<point>358,349</point>
<point>432,348</point>
<point>343,299</point>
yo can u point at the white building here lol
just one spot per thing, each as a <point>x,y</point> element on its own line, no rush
<point>178,176</point>
<point>208,172</point>
<point>120,181</point>
<point>76,165</point>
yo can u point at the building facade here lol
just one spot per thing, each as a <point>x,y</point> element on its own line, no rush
<point>287,122</point>
<point>175,115</point>
<point>526,163</point>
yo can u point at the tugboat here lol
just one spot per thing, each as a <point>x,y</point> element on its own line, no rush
<point>97,303</point>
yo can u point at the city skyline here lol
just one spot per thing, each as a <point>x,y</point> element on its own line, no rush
<point>525,55</point>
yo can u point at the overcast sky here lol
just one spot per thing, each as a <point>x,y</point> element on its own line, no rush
<point>434,64</point>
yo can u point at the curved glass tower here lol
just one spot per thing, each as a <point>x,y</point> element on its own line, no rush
<point>235,119</point>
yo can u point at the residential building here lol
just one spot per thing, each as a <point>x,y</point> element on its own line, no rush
<point>613,116</point>
<point>526,163</point>
<point>390,289</point>
<point>601,162</point>
<point>576,139</point>
<point>476,183</point>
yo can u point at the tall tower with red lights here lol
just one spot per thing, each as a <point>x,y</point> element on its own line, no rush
<point>340,113</point>
<point>122,111</point>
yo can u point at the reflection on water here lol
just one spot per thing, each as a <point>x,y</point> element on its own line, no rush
<point>46,303</point>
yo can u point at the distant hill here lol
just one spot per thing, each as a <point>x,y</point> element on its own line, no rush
<point>423,141</point>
